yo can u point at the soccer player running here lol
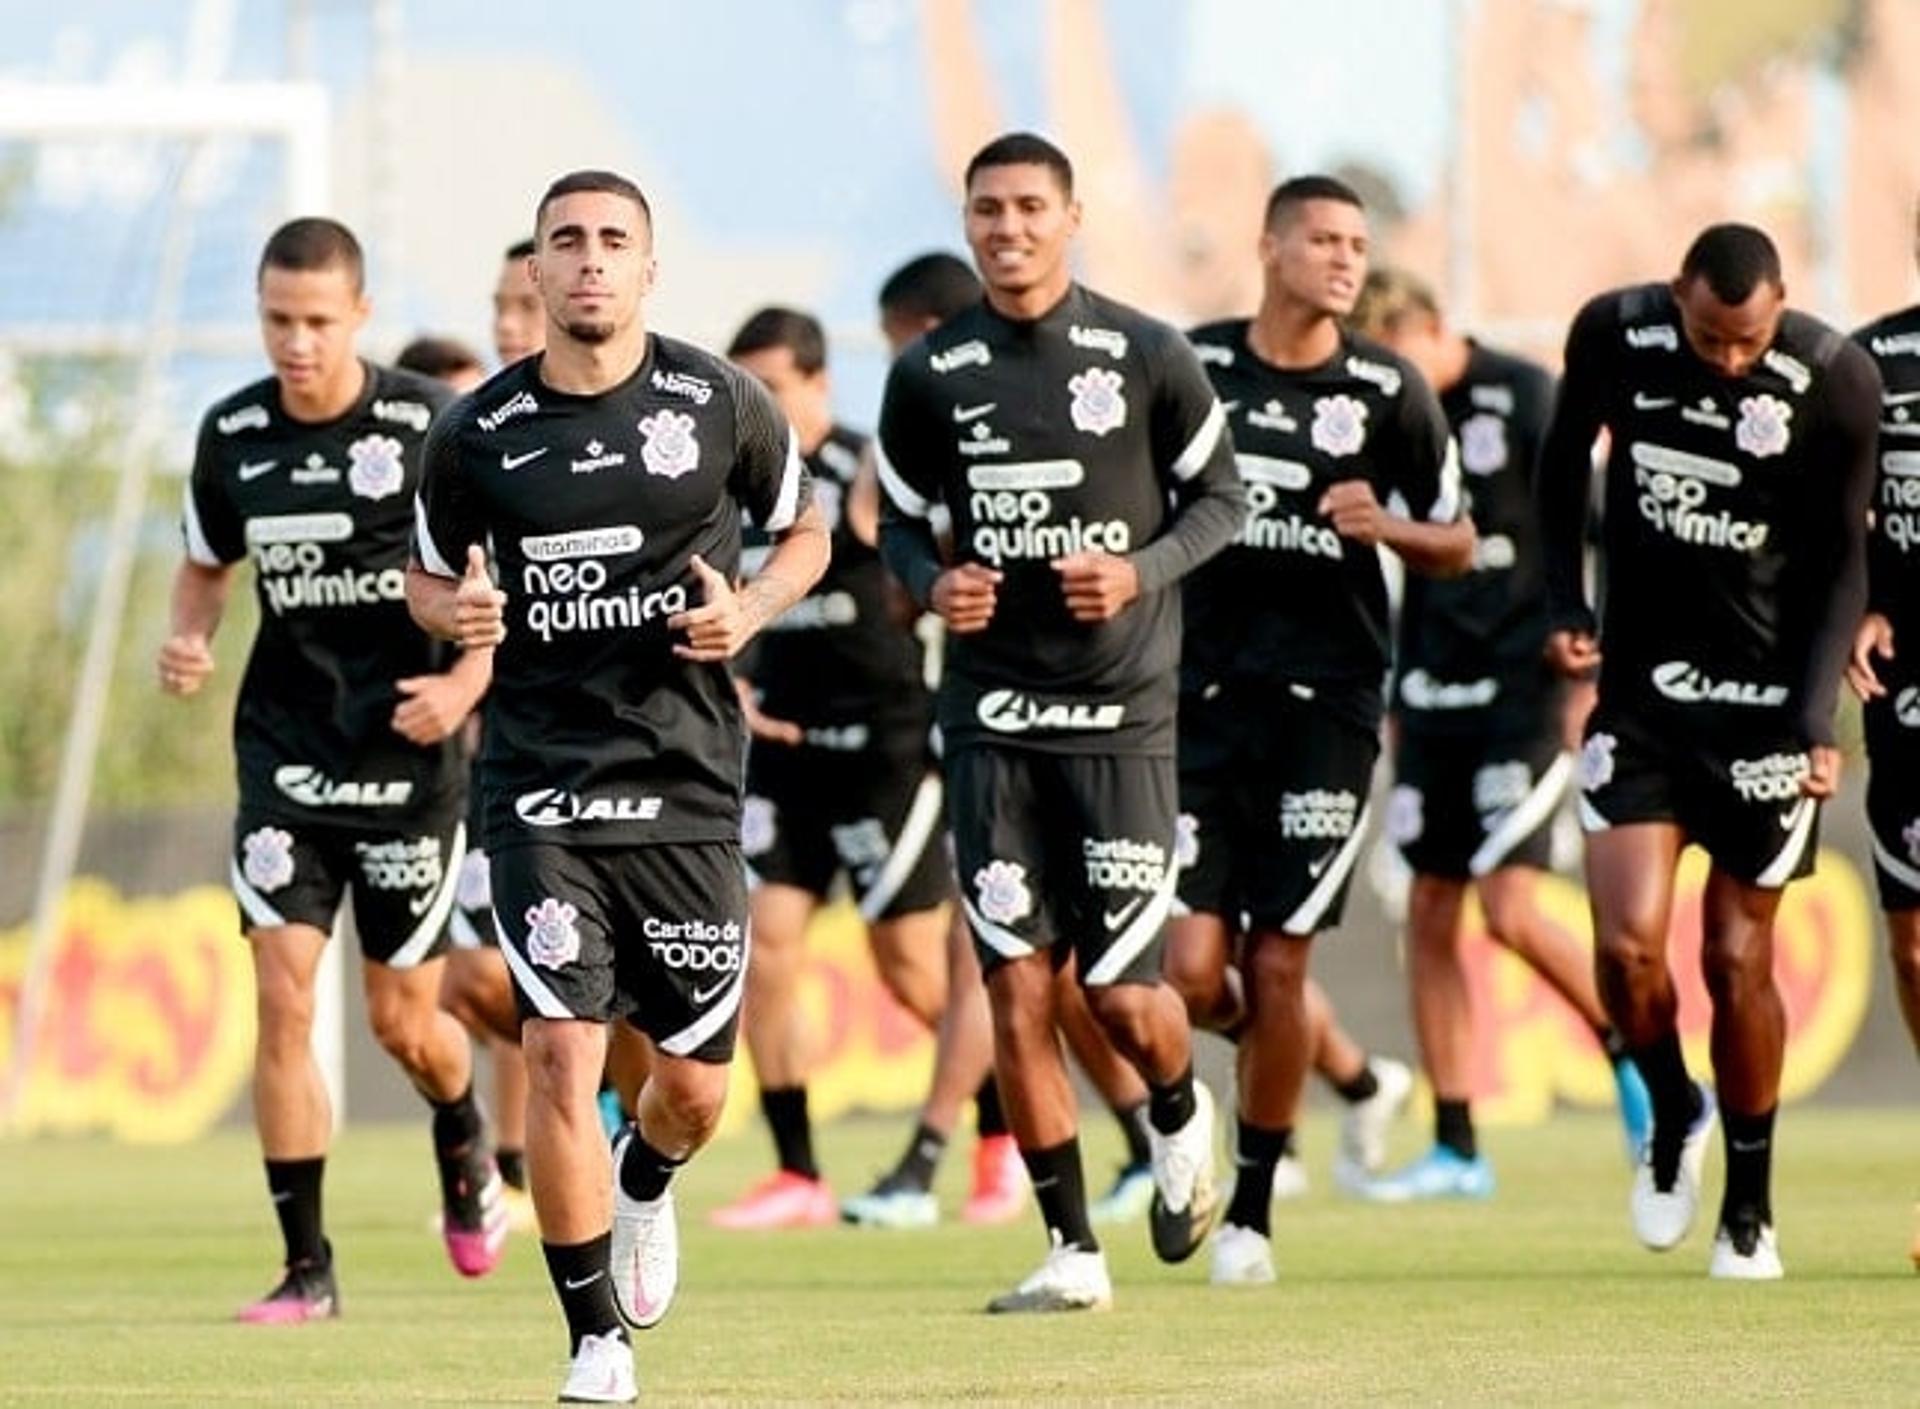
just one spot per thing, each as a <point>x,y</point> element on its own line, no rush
<point>1481,763</point>
<point>611,474</point>
<point>1733,552</point>
<point>1084,462</point>
<point>1344,452</point>
<point>349,772</point>
<point>840,781</point>
<point>1888,682</point>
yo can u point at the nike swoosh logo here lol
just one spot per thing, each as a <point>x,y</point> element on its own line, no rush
<point>1314,868</point>
<point>1792,819</point>
<point>1116,918</point>
<point>963,414</point>
<point>418,906</point>
<point>574,1286</point>
<point>514,462</point>
<point>1900,398</point>
<point>254,471</point>
<point>1650,403</point>
<point>706,995</point>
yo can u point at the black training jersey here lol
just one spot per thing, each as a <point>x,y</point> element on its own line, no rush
<point>843,657</point>
<point>1091,428</point>
<point>1292,600</point>
<point>324,510</point>
<point>1894,551</point>
<point>1470,647</point>
<point>597,734</point>
<point>1735,514</point>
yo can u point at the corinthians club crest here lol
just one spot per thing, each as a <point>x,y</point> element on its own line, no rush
<point>669,449</point>
<point>374,470</point>
<point>1098,404</point>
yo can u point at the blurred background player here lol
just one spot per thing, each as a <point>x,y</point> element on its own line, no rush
<point>1084,463</point>
<point>1741,460</point>
<point>1481,763</point>
<point>350,774</point>
<point>476,988</point>
<point>840,782</point>
<point>1343,451</point>
<point>1886,681</point>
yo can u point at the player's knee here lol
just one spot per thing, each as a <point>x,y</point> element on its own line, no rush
<point>285,1009</point>
<point>1736,970</point>
<point>1124,1010</point>
<point>1627,954</point>
<point>693,1101</point>
<point>1194,977</point>
<point>1278,965</point>
<point>404,1034</point>
<point>1509,918</point>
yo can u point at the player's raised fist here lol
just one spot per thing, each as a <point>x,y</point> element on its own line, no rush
<point>1355,512</point>
<point>1097,586</point>
<point>185,663</point>
<point>479,608</point>
<point>717,628</point>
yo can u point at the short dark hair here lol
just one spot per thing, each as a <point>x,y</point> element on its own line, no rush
<point>934,286</point>
<point>432,356</point>
<point>1734,260</point>
<point>1296,191</point>
<point>575,182</point>
<point>521,249</point>
<point>1023,149</point>
<point>311,243</point>
<point>800,333</point>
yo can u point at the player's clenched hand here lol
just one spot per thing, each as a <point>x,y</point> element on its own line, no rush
<point>1356,514</point>
<point>1823,772</point>
<point>1873,637</point>
<point>185,663</point>
<point>965,597</point>
<point>479,608</point>
<point>1573,653</point>
<point>717,628</point>
<point>431,707</point>
<point>1097,586</point>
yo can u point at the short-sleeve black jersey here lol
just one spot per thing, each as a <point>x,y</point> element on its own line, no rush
<point>1735,514</point>
<point>325,510</point>
<point>842,656</point>
<point>1470,647</point>
<point>1291,600</point>
<point>1894,550</point>
<point>1087,429</point>
<point>597,734</point>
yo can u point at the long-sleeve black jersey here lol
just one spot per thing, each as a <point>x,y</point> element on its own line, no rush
<point>597,734</point>
<point>1089,428</point>
<point>325,511</point>
<point>1734,541</point>
<point>1470,646</point>
<point>1893,553</point>
<point>842,658</point>
<point>1291,600</point>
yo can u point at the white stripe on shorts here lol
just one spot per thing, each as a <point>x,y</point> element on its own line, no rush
<point>263,915</point>
<point>1003,942</point>
<point>1523,818</point>
<point>414,948</point>
<point>1894,866</point>
<point>545,1002</point>
<point>687,1040</point>
<point>1780,871</point>
<point>1305,920</point>
<point>1137,936</point>
<point>923,816</point>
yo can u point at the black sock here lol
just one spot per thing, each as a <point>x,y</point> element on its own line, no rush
<point>785,1108</point>
<point>989,1116</point>
<point>456,1123</point>
<point>1749,1194</point>
<point>579,1275</point>
<point>1171,1106</point>
<point>295,1187</point>
<point>513,1168</point>
<point>645,1172</point>
<point>921,1158</point>
<point>1061,1189</point>
<point>1258,1150</point>
<point>1676,1101</point>
<point>1133,1129</point>
<point>1362,1088</point>
<point>1453,1127</point>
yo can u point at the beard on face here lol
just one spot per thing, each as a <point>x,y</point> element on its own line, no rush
<point>592,334</point>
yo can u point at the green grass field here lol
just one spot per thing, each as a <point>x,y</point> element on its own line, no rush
<point>120,1268</point>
